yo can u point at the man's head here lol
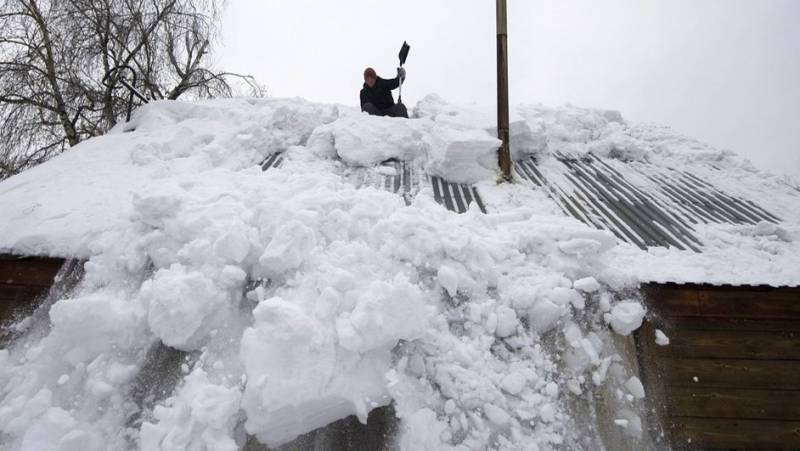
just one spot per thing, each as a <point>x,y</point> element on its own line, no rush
<point>370,77</point>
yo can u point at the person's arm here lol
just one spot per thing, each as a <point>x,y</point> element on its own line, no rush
<point>389,84</point>
<point>394,83</point>
<point>363,96</point>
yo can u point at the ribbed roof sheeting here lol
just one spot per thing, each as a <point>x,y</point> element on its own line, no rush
<point>595,191</point>
<point>407,179</point>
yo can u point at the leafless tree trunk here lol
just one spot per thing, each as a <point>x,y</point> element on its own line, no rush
<point>54,55</point>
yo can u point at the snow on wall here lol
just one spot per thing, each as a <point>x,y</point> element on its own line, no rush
<point>300,298</point>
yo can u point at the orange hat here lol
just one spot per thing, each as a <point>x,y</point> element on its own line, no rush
<point>369,72</point>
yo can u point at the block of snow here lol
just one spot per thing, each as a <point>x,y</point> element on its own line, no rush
<point>506,321</point>
<point>580,246</point>
<point>364,140</point>
<point>184,306</point>
<point>625,317</point>
<point>513,383</point>
<point>302,374</point>
<point>496,415</point>
<point>288,248</point>
<point>630,423</point>
<point>461,156</point>
<point>586,284</point>
<point>661,338</point>
<point>544,315</point>
<point>201,415</point>
<point>448,278</point>
<point>635,387</point>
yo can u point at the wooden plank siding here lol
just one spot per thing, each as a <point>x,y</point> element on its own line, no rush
<point>23,281</point>
<point>730,377</point>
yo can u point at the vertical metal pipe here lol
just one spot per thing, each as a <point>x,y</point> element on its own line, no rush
<point>504,157</point>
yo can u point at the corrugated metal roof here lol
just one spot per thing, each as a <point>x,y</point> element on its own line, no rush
<point>595,191</point>
<point>405,180</point>
<point>273,160</point>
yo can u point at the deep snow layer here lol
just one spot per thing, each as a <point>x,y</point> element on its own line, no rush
<point>61,208</point>
<point>299,297</point>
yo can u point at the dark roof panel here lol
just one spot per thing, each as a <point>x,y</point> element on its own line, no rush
<point>594,191</point>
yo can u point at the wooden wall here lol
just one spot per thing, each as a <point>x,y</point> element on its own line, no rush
<point>23,280</point>
<point>730,377</point>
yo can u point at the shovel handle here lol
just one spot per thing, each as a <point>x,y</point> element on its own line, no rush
<point>399,87</point>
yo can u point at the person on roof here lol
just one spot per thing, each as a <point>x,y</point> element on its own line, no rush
<point>376,95</point>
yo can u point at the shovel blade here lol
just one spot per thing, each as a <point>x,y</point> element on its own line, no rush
<point>403,53</point>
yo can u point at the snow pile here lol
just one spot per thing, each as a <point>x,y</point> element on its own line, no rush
<point>296,297</point>
<point>625,317</point>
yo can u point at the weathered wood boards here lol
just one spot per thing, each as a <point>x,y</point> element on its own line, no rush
<point>23,281</point>
<point>730,377</point>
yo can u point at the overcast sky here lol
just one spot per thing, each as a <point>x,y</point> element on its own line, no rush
<point>724,71</point>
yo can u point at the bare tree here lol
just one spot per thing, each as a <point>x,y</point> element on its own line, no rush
<point>54,55</point>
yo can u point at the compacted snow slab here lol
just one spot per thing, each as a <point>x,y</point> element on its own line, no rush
<point>460,154</point>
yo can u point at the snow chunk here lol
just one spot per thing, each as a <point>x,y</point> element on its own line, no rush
<point>506,322</point>
<point>424,432</point>
<point>580,246</point>
<point>496,415</point>
<point>87,326</point>
<point>289,362</point>
<point>766,229</point>
<point>661,338</point>
<point>448,278</point>
<point>184,306</point>
<point>513,383</point>
<point>364,140</point>
<point>544,315</point>
<point>303,374</point>
<point>630,423</point>
<point>202,415</point>
<point>55,429</point>
<point>635,387</point>
<point>625,317</point>
<point>587,285</point>
<point>286,251</point>
<point>462,156</point>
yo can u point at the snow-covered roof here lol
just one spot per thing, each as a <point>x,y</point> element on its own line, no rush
<point>334,282</point>
<point>648,185</point>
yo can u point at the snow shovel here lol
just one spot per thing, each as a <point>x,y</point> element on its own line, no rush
<point>402,56</point>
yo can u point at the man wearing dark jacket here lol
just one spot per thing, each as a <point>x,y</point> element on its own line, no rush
<point>376,95</point>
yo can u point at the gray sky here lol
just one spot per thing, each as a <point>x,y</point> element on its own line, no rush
<point>724,71</point>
